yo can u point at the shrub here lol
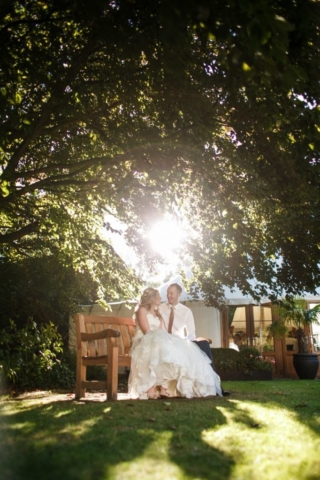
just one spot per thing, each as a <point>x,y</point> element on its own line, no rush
<point>32,357</point>
<point>246,360</point>
<point>96,372</point>
<point>63,372</point>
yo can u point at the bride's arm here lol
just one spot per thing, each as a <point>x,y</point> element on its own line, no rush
<point>141,317</point>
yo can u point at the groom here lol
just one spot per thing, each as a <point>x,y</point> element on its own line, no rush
<point>179,319</point>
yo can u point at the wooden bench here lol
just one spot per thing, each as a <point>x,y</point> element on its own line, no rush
<point>102,340</point>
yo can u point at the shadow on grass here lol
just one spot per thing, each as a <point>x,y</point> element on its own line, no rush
<point>97,440</point>
<point>84,441</point>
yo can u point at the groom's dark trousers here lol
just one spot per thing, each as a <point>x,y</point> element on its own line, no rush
<point>205,347</point>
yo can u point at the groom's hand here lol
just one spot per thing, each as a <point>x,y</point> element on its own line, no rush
<point>200,339</point>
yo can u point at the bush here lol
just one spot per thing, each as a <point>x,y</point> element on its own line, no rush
<point>33,357</point>
<point>96,372</point>
<point>246,360</point>
<point>63,372</point>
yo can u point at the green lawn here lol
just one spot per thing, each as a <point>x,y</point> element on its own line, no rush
<point>265,430</point>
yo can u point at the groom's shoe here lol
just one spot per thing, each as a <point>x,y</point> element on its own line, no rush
<point>225,393</point>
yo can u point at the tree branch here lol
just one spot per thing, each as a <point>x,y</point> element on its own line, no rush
<point>47,110</point>
<point>18,234</point>
<point>83,165</point>
<point>47,19</point>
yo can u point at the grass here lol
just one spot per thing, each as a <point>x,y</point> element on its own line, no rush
<point>265,430</point>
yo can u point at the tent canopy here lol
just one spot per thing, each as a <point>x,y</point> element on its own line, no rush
<point>234,297</point>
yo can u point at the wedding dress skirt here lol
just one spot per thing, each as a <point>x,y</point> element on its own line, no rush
<point>160,358</point>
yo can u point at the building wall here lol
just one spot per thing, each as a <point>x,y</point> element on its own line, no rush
<point>207,322</point>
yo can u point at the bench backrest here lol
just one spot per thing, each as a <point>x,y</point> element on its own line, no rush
<point>97,323</point>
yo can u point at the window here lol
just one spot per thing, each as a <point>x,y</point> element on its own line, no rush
<point>247,326</point>
<point>315,332</point>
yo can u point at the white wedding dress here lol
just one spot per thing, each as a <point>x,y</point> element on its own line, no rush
<point>160,358</point>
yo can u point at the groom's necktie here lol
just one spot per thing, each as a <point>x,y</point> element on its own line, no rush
<point>171,317</point>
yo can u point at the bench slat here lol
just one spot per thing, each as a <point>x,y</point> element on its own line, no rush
<point>94,384</point>
<point>96,360</point>
<point>105,319</point>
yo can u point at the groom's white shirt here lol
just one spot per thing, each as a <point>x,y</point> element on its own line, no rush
<point>183,324</point>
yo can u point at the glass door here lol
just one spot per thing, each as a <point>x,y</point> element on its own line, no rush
<point>315,332</point>
<point>262,318</point>
<point>247,325</point>
<point>237,327</point>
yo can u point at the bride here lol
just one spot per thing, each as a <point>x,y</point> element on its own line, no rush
<point>165,365</point>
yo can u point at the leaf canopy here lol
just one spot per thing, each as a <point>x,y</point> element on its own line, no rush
<point>134,108</point>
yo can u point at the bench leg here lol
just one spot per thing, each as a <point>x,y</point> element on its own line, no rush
<point>81,376</point>
<point>112,373</point>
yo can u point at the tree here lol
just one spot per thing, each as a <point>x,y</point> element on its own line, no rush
<point>133,108</point>
<point>48,289</point>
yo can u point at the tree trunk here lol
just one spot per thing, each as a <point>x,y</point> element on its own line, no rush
<point>303,343</point>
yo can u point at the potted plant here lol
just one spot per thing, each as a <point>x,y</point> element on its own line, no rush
<point>296,314</point>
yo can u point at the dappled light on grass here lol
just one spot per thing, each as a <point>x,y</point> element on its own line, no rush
<point>8,409</point>
<point>265,430</point>
<point>25,426</point>
<point>154,462</point>
<point>62,414</point>
<point>82,427</point>
<point>266,441</point>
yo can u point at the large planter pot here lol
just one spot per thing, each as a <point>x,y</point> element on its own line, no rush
<point>306,365</point>
<point>241,375</point>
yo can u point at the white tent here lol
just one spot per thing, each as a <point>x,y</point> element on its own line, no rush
<point>207,319</point>
<point>234,297</point>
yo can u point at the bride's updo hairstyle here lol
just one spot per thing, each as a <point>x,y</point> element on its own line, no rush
<point>147,297</point>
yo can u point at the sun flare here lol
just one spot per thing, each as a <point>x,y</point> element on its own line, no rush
<point>166,237</point>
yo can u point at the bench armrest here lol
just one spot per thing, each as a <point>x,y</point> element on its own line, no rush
<point>108,333</point>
